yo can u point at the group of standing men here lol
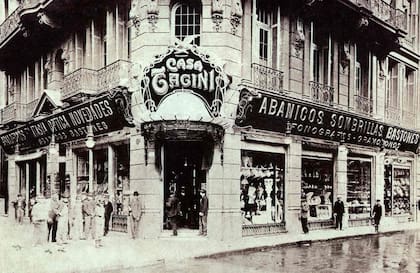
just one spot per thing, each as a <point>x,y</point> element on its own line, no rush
<point>338,212</point>
<point>88,216</point>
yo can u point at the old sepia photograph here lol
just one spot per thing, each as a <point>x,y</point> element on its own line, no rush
<point>209,136</point>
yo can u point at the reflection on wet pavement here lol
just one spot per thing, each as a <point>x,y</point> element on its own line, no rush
<point>398,252</point>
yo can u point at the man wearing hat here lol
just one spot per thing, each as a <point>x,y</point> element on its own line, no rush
<point>135,211</point>
<point>204,208</point>
<point>108,212</point>
<point>63,219</point>
<point>88,208</point>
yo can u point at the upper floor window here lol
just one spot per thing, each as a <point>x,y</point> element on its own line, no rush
<point>392,97</point>
<point>321,56</point>
<point>266,36</point>
<point>412,15</point>
<point>409,87</point>
<point>187,22</point>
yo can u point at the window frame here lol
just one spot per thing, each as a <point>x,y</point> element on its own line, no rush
<point>174,9</point>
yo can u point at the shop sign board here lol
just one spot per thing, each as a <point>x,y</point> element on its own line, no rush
<point>184,68</point>
<point>105,114</point>
<point>283,114</point>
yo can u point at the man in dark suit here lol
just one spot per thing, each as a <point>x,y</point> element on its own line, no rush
<point>204,208</point>
<point>338,213</point>
<point>173,207</point>
<point>108,211</point>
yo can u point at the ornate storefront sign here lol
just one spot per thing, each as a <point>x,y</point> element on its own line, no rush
<point>105,114</point>
<point>288,115</point>
<point>184,68</point>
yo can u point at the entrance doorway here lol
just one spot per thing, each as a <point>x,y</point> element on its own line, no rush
<point>184,174</point>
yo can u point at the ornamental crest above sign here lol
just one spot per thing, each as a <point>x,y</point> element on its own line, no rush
<point>184,69</point>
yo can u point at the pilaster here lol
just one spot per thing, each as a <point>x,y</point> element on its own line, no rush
<point>341,178</point>
<point>293,185</point>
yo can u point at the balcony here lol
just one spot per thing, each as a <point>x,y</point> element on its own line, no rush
<point>78,82</point>
<point>13,112</point>
<point>266,78</point>
<point>392,114</point>
<point>113,75</point>
<point>321,93</point>
<point>9,26</point>
<point>380,9</point>
<point>409,118</point>
<point>363,104</point>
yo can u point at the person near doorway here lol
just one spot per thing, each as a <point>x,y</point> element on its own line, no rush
<point>52,217</point>
<point>88,208</point>
<point>338,213</point>
<point>135,212</point>
<point>76,229</point>
<point>108,212</point>
<point>377,214</point>
<point>19,205</point>
<point>63,220</point>
<point>99,220</point>
<point>173,208</point>
<point>304,214</point>
<point>39,216</point>
<point>204,208</point>
<point>185,208</point>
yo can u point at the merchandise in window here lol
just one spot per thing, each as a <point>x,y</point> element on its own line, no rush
<point>358,188</point>
<point>317,187</point>
<point>262,188</point>
<point>396,191</point>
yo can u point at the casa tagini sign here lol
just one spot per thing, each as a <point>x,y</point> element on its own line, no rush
<point>288,115</point>
<point>184,68</point>
<point>106,113</point>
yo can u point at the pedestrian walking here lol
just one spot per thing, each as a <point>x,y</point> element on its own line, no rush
<point>108,212</point>
<point>204,207</point>
<point>338,213</point>
<point>52,218</point>
<point>173,207</point>
<point>99,220</point>
<point>135,212</point>
<point>39,217</point>
<point>304,214</point>
<point>19,206</point>
<point>88,208</point>
<point>63,220</point>
<point>76,227</point>
<point>377,214</point>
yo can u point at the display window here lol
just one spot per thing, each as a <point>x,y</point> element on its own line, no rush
<point>397,190</point>
<point>359,173</point>
<point>262,188</point>
<point>317,186</point>
<point>122,186</point>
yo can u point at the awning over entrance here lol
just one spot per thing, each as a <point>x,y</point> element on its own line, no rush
<point>109,112</point>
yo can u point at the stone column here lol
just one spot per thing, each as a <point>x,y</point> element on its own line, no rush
<point>91,189</point>
<point>341,178</point>
<point>111,171</point>
<point>293,186</point>
<point>38,178</point>
<point>27,188</point>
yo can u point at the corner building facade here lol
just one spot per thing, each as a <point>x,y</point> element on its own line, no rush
<point>261,104</point>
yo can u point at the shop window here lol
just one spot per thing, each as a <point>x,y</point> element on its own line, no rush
<point>262,188</point>
<point>317,187</point>
<point>187,21</point>
<point>82,172</point>
<point>397,190</point>
<point>122,187</point>
<point>101,171</point>
<point>359,187</point>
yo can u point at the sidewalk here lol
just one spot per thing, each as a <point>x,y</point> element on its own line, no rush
<point>121,252</point>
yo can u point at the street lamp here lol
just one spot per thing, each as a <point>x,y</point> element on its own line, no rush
<point>90,144</point>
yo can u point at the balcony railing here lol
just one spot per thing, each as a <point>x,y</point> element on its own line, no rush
<point>80,81</point>
<point>14,112</point>
<point>363,105</point>
<point>9,25</point>
<point>113,75</point>
<point>409,118</point>
<point>267,78</point>
<point>392,114</point>
<point>30,107</point>
<point>385,12</point>
<point>322,93</point>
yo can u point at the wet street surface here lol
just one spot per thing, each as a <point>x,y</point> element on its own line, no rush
<point>397,252</point>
